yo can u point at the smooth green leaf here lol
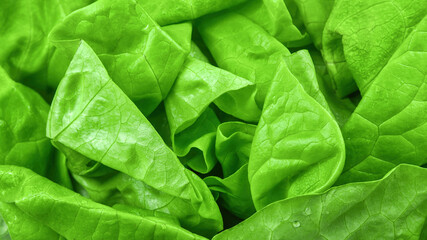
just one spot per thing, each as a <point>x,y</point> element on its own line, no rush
<point>274,17</point>
<point>389,126</point>
<point>342,108</point>
<point>141,58</point>
<point>297,147</point>
<point>47,205</point>
<point>174,11</point>
<point>20,226</point>
<point>180,33</point>
<point>58,171</point>
<point>392,208</point>
<point>301,66</point>
<point>196,52</point>
<point>314,14</point>
<point>354,47</point>
<point>242,47</point>
<point>93,120</point>
<point>24,26</point>
<point>150,214</point>
<point>234,192</point>
<point>23,116</point>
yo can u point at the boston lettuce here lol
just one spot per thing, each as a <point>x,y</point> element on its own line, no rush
<point>396,132</point>
<point>23,116</point>
<point>233,146</point>
<point>54,212</point>
<point>274,17</point>
<point>172,11</point>
<point>141,58</point>
<point>314,14</point>
<point>243,48</point>
<point>298,146</point>
<point>25,51</point>
<point>356,49</point>
<point>98,127</point>
<point>213,119</point>
<point>394,207</point>
<point>192,123</point>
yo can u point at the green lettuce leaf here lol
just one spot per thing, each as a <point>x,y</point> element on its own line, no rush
<point>52,210</point>
<point>298,147</point>
<point>196,52</point>
<point>233,145</point>
<point>25,50</point>
<point>142,59</point>
<point>242,47</point>
<point>354,47</point>
<point>96,125</point>
<point>23,116</point>
<point>234,192</point>
<point>314,14</point>
<point>21,226</point>
<point>274,17</point>
<point>389,126</point>
<point>174,11</point>
<point>192,123</point>
<point>180,33</point>
<point>392,208</point>
<point>58,171</point>
<point>342,108</point>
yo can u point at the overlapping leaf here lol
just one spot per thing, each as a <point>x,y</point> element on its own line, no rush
<point>361,36</point>
<point>389,126</point>
<point>298,147</point>
<point>141,58</point>
<point>48,211</point>
<point>96,125</point>
<point>392,208</point>
<point>23,116</point>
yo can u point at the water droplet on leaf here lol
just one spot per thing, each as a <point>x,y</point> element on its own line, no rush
<point>307,211</point>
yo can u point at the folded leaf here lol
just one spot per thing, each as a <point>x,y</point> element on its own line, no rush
<point>342,108</point>
<point>234,192</point>
<point>301,66</point>
<point>4,231</point>
<point>93,121</point>
<point>389,126</point>
<point>25,49</point>
<point>174,11</point>
<point>297,147</point>
<point>233,145</point>
<point>141,58</point>
<point>392,208</point>
<point>52,209</point>
<point>192,123</point>
<point>243,48</point>
<point>58,171</point>
<point>195,145</point>
<point>196,52</point>
<point>23,115</point>
<point>21,226</point>
<point>274,17</point>
<point>180,33</point>
<point>128,194</point>
<point>354,47</point>
<point>314,14</point>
